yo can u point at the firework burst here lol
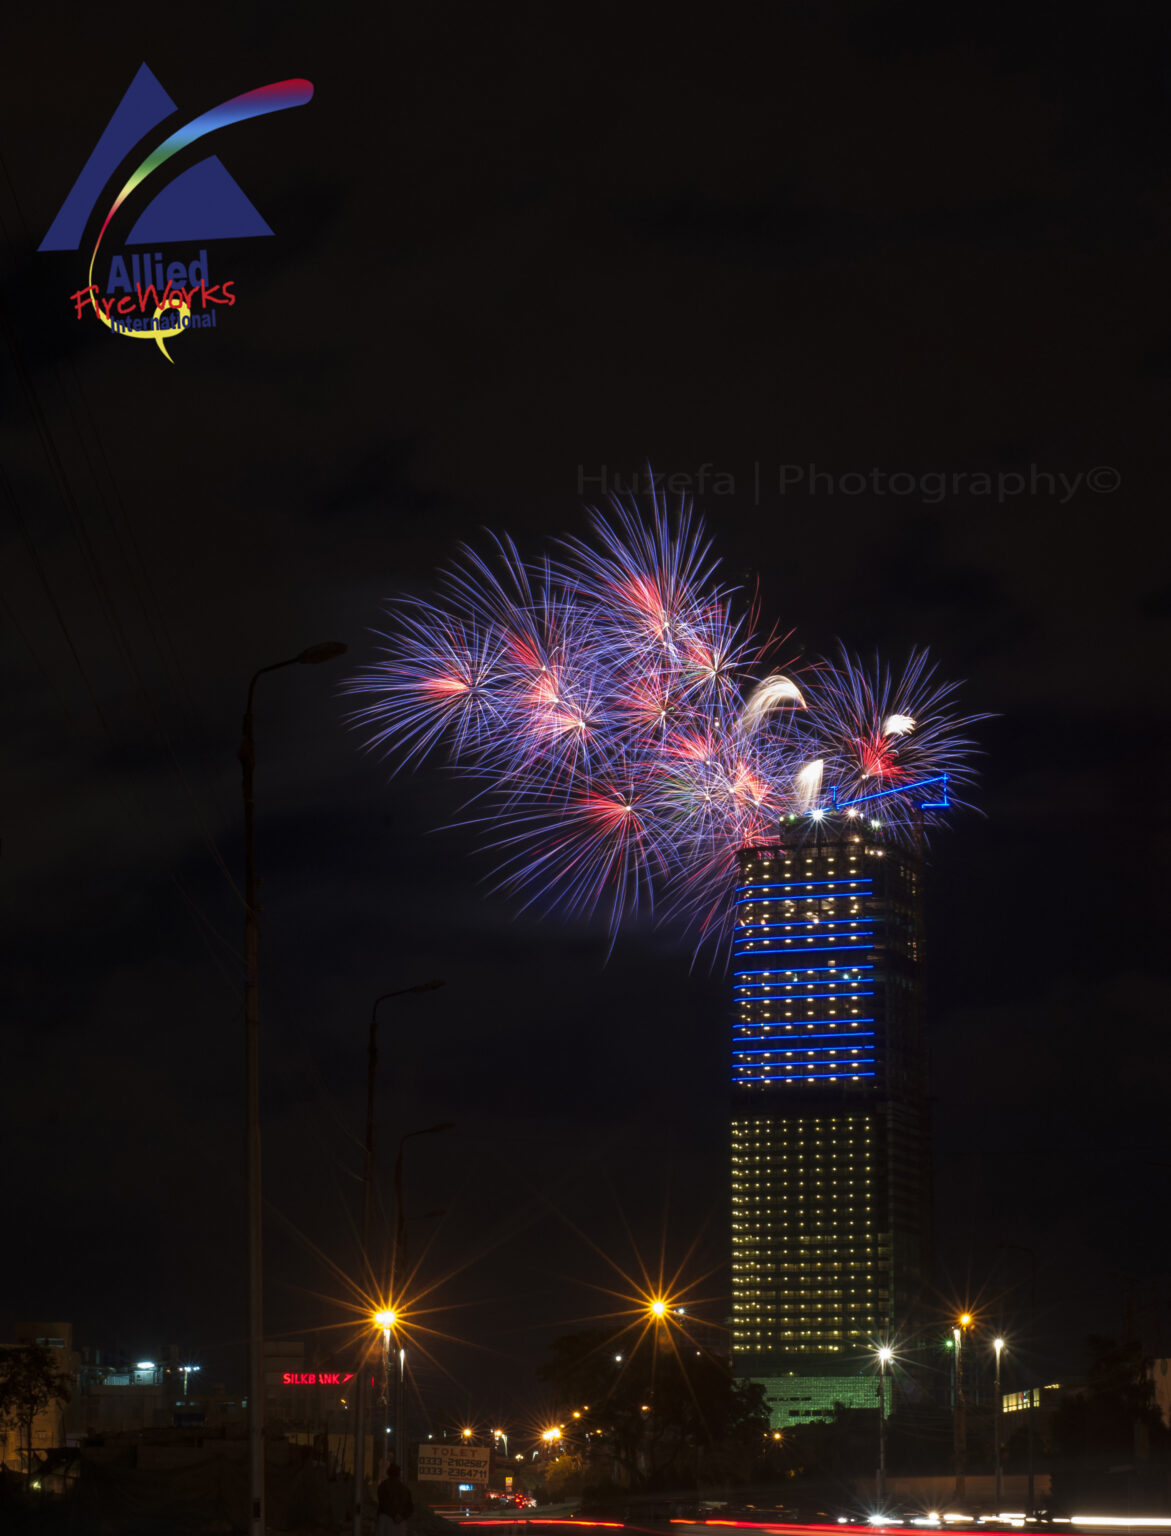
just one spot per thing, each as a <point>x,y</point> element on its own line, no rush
<point>615,710</point>
<point>880,733</point>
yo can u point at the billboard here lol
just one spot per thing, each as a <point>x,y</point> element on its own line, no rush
<point>454,1463</point>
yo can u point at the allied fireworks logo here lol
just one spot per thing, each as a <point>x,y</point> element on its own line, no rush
<point>146,293</point>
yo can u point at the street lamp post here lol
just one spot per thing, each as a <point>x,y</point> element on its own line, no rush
<point>885,1355</point>
<point>330,650</point>
<point>367,1212</point>
<point>399,1266</point>
<point>961,1407</point>
<point>1031,1503</point>
<point>998,1345</point>
<point>385,1398</point>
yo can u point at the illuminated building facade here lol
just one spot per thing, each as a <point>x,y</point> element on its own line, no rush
<point>830,1133</point>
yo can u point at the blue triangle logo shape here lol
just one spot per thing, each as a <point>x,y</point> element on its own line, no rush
<point>204,203</point>
<point>143,107</point>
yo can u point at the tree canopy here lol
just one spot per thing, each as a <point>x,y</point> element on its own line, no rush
<point>663,1412</point>
<point>29,1383</point>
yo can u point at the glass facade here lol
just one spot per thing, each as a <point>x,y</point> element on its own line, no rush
<point>830,1151</point>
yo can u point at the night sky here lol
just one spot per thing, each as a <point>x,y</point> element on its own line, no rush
<point>514,251</point>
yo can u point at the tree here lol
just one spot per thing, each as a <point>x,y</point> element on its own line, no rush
<point>564,1476</point>
<point>665,1412</point>
<point>29,1383</point>
<point>1116,1412</point>
<point>1110,1430</point>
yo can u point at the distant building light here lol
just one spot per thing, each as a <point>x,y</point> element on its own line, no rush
<point>145,1365</point>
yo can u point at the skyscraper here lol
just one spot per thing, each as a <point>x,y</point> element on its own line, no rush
<point>830,1134</point>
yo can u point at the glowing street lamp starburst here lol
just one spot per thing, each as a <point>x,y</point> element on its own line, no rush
<point>369,1316</point>
<point>655,1311</point>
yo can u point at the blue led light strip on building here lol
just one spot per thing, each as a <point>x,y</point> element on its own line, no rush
<point>801,1069</point>
<point>773,931</point>
<point>942,804</point>
<point>794,1042</point>
<point>812,949</point>
<point>801,1077</point>
<point>761,1023</point>
<point>789,922</point>
<point>818,1050</point>
<point>790,997</point>
<point>801,970</point>
<point>789,884</point>
<point>802,939</point>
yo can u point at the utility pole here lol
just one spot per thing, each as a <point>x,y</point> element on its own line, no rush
<point>1031,1504</point>
<point>998,1345</point>
<point>368,1274</point>
<point>961,1409</point>
<point>885,1356</point>
<point>399,1269</point>
<point>312,656</point>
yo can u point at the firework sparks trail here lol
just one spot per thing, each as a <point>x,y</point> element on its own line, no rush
<point>617,713</point>
<point>877,730</point>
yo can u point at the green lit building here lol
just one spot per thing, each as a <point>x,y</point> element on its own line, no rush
<point>830,1135</point>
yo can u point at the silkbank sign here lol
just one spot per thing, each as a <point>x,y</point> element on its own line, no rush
<point>149,290</point>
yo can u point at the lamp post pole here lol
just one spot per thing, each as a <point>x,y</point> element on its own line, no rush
<point>961,1409</point>
<point>384,1401</point>
<point>1031,1504</point>
<point>399,1267</point>
<point>368,1274</point>
<point>312,656</point>
<point>884,1358</point>
<point>998,1345</point>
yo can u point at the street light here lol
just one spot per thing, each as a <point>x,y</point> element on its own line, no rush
<point>312,656</point>
<point>1031,1504</point>
<point>367,1207</point>
<point>885,1356</point>
<point>398,1265</point>
<point>998,1345</point>
<point>964,1322</point>
<point>386,1320</point>
<point>371,1069</point>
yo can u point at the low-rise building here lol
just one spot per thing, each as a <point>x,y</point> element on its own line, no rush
<point>49,1425</point>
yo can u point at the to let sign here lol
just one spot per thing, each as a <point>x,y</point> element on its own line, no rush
<point>454,1463</point>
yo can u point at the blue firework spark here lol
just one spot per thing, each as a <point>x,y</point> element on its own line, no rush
<point>613,709</point>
